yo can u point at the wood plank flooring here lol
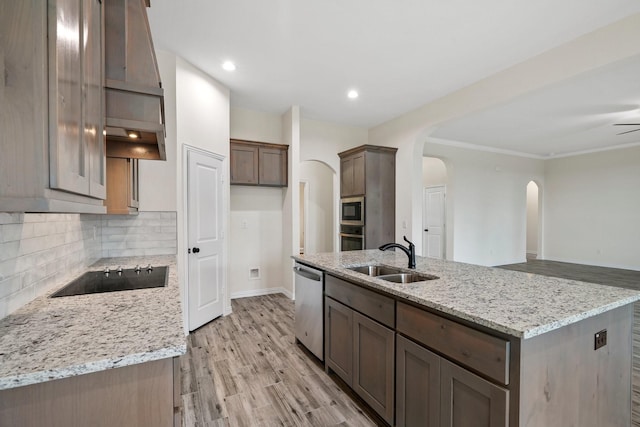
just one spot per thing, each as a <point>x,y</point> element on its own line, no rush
<point>245,369</point>
<point>607,276</point>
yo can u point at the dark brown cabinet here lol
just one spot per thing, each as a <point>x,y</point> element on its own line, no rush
<point>432,391</point>
<point>417,385</point>
<point>373,370</point>
<point>257,163</point>
<point>468,400</point>
<point>339,339</point>
<point>122,186</point>
<point>352,175</point>
<point>370,171</point>
<point>359,348</point>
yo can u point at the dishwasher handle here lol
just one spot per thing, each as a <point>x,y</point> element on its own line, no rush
<point>308,274</point>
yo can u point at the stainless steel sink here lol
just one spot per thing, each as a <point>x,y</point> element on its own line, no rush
<point>407,277</point>
<point>375,270</point>
<point>391,274</point>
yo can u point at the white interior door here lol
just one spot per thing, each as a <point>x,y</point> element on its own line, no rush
<point>205,237</point>
<point>433,221</point>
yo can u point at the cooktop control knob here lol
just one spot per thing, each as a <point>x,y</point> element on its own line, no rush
<point>138,269</point>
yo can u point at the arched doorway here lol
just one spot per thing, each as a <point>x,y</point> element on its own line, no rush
<point>434,183</point>
<point>317,210</point>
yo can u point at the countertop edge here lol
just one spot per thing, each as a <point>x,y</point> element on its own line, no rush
<point>90,367</point>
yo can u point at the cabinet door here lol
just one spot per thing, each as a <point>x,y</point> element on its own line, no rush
<point>272,166</point>
<point>244,164</point>
<point>417,385</point>
<point>373,370</point>
<point>69,160</point>
<point>346,177</point>
<point>93,99</point>
<point>352,175</point>
<point>338,333</point>
<point>470,401</point>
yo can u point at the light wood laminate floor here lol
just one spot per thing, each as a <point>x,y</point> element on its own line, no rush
<point>606,276</point>
<point>245,369</point>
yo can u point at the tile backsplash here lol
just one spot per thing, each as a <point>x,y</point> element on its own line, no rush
<point>39,250</point>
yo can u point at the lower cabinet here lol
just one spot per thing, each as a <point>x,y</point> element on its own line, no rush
<point>432,391</point>
<point>361,352</point>
<point>338,339</point>
<point>145,394</point>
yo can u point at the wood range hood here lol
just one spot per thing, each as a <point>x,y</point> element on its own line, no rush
<point>134,122</point>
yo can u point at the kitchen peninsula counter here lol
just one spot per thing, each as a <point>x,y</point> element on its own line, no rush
<point>53,338</point>
<point>518,304</point>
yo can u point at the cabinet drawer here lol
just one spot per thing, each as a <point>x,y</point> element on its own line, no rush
<point>482,352</point>
<point>367,302</point>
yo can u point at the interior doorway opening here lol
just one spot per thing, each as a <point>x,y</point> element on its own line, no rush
<point>533,221</point>
<point>317,207</point>
<point>434,182</point>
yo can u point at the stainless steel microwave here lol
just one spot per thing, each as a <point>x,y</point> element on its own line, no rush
<point>352,211</point>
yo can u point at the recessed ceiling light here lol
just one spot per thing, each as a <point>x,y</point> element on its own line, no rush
<point>352,94</point>
<point>229,66</point>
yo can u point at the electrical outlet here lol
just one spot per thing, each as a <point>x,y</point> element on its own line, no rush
<point>600,339</point>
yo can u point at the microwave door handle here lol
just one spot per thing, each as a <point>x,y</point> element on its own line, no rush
<point>307,274</point>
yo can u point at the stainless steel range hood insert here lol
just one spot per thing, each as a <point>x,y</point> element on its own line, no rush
<point>133,91</point>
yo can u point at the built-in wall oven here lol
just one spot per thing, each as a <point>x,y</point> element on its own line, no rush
<point>351,238</point>
<point>352,211</point>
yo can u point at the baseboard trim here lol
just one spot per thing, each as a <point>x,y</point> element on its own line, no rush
<point>260,292</point>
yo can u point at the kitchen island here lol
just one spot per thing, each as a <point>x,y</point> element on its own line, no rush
<point>78,356</point>
<point>478,344</point>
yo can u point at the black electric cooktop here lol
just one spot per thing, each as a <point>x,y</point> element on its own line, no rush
<point>93,282</point>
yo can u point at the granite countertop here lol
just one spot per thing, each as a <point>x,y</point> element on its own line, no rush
<point>51,338</point>
<point>519,304</point>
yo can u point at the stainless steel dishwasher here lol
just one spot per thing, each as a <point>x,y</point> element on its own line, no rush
<point>309,312</point>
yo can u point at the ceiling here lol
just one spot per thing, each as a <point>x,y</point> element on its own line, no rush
<point>401,55</point>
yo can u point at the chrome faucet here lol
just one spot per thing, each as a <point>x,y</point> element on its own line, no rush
<point>410,251</point>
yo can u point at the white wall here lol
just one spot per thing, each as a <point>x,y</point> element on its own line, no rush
<point>486,203</point>
<point>158,179</point>
<point>532,218</point>
<point>256,233</point>
<point>434,172</point>
<point>320,228</point>
<point>323,141</point>
<point>592,209</point>
<point>409,131</point>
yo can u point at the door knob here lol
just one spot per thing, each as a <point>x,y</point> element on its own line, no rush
<point>196,250</point>
<point>426,229</point>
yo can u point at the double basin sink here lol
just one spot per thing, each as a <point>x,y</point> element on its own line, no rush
<point>391,274</point>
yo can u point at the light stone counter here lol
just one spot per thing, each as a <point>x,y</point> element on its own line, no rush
<point>52,338</point>
<point>519,304</point>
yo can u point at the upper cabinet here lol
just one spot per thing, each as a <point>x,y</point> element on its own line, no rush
<point>258,163</point>
<point>51,107</point>
<point>366,169</point>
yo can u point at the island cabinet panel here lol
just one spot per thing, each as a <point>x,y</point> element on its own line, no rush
<point>373,371</point>
<point>466,400</point>
<point>484,353</point>
<point>417,385</point>
<point>138,395</point>
<point>258,163</point>
<point>565,381</point>
<point>339,339</point>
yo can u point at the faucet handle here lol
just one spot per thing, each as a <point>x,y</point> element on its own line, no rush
<point>407,240</point>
